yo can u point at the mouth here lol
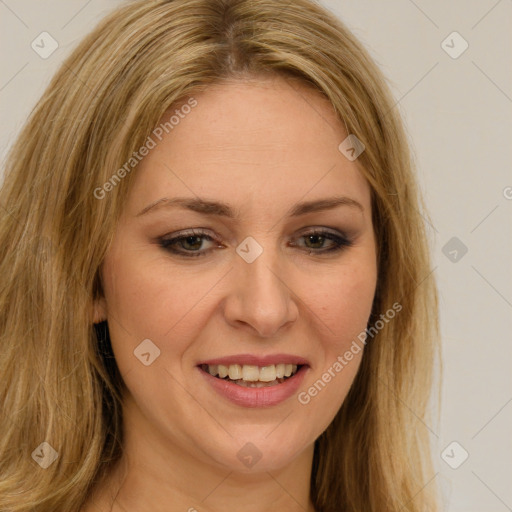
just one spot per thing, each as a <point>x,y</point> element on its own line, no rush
<point>250,380</point>
<point>253,376</point>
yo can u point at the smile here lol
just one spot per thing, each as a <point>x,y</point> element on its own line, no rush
<point>252,376</point>
<point>250,381</point>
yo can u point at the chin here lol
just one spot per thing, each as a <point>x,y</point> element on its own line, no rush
<point>252,451</point>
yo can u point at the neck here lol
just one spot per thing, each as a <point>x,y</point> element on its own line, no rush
<point>156,474</point>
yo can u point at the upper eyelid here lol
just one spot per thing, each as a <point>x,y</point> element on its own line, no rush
<point>206,232</point>
<point>203,233</point>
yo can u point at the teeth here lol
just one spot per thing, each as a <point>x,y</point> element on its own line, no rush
<point>235,371</point>
<point>252,373</point>
<point>267,373</point>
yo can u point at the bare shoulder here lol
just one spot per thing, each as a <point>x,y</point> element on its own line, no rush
<point>96,505</point>
<point>103,493</point>
<point>98,501</point>
<point>93,506</point>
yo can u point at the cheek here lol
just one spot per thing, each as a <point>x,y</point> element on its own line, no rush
<point>343,310</point>
<point>143,294</point>
<point>148,299</point>
<point>345,301</point>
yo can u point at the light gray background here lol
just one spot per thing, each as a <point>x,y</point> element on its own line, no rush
<point>458,116</point>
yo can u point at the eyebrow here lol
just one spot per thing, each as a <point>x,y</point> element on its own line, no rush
<point>207,207</point>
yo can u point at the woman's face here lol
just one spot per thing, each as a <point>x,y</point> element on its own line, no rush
<point>234,274</point>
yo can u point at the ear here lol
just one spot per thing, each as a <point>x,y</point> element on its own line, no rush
<point>99,313</point>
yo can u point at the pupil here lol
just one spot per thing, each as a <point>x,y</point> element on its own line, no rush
<point>312,237</point>
<point>196,238</point>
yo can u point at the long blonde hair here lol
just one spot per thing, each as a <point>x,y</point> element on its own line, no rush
<point>100,107</point>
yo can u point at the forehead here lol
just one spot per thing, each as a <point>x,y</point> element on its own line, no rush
<point>268,140</point>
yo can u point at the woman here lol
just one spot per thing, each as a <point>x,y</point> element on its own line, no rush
<point>216,282</point>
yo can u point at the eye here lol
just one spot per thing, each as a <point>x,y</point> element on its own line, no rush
<point>189,244</point>
<point>315,241</point>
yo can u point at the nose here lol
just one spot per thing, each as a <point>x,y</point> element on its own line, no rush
<point>260,297</point>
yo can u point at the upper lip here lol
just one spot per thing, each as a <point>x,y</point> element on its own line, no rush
<point>251,359</point>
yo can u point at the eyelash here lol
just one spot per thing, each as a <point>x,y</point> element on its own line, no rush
<point>340,243</point>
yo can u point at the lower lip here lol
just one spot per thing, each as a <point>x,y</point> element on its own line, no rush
<point>256,397</point>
